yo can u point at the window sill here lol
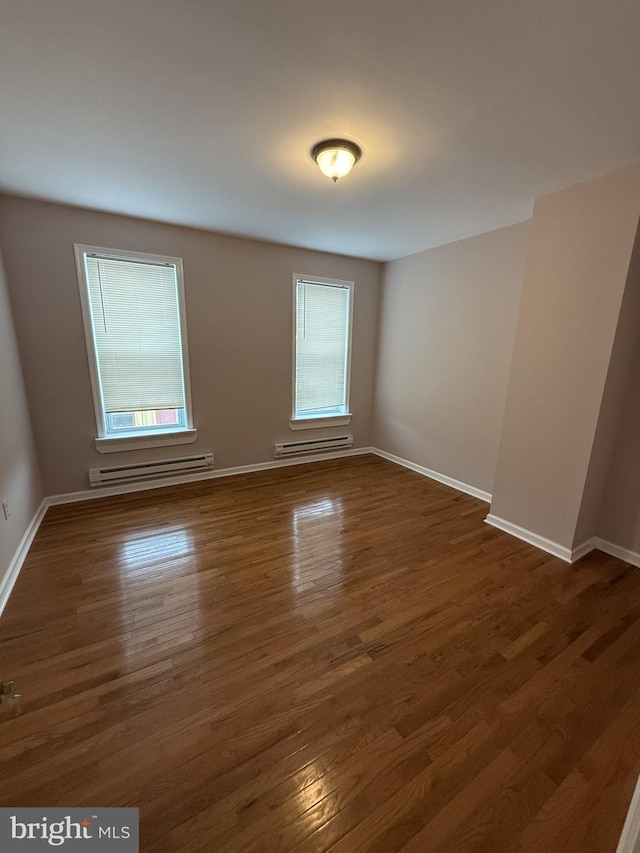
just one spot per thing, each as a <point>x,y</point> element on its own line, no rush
<point>139,442</point>
<point>315,423</point>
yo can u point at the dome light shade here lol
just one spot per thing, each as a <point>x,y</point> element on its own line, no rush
<point>336,157</point>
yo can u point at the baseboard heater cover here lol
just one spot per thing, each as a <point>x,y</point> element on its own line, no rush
<point>145,470</point>
<point>313,445</point>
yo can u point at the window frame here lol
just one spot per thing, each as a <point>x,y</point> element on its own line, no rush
<point>297,422</point>
<point>106,442</point>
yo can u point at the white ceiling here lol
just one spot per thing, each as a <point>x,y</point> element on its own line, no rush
<point>202,112</point>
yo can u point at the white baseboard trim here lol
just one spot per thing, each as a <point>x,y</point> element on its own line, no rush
<point>616,551</point>
<point>178,480</point>
<point>630,838</point>
<point>531,538</point>
<point>606,547</point>
<point>569,555</point>
<point>8,580</point>
<point>586,547</point>
<point>434,475</point>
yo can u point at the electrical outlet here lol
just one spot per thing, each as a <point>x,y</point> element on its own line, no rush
<point>6,510</point>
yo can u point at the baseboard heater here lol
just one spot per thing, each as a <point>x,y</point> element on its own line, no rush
<point>313,445</point>
<point>145,470</point>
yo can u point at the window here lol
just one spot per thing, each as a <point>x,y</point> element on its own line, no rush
<point>322,352</point>
<point>133,310</point>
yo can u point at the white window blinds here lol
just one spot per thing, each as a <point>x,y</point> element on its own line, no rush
<point>136,330</point>
<point>322,348</point>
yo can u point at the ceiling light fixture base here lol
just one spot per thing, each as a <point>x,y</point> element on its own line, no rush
<point>336,157</point>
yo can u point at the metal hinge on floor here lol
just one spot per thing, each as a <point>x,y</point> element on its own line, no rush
<point>9,696</point>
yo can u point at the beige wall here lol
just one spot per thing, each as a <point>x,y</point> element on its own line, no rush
<point>619,520</point>
<point>239,320</point>
<point>448,319</point>
<point>19,475</point>
<point>579,254</point>
<point>596,512</point>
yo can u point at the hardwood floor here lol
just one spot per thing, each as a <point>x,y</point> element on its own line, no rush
<point>339,656</point>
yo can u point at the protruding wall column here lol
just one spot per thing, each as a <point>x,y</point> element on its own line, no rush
<point>580,249</point>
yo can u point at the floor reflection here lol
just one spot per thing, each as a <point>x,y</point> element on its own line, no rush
<point>317,540</point>
<point>145,551</point>
<point>314,786</point>
<point>160,601</point>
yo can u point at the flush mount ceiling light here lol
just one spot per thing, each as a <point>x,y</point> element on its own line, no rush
<point>336,157</point>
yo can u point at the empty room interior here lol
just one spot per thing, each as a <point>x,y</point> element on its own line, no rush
<point>319,425</point>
